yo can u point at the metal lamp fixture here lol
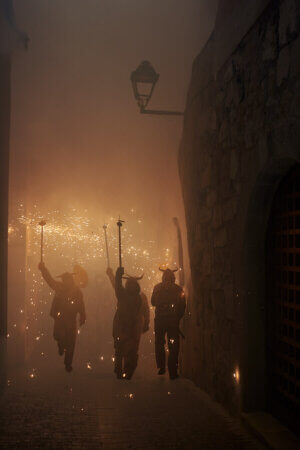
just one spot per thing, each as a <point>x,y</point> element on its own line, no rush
<point>143,80</point>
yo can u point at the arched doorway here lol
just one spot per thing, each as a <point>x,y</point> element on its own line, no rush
<point>283,301</point>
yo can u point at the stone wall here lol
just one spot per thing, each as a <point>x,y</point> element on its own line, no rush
<point>241,135</point>
<point>4,159</point>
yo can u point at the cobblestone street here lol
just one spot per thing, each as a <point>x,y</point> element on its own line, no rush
<point>90,409</point>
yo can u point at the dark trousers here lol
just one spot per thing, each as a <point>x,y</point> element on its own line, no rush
<point>126,357</point>
<point>65,335</point>
<point>162,328</point>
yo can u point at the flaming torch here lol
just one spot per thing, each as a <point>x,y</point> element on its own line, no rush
<point>120,223</point>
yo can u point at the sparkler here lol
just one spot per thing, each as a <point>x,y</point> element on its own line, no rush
<point>42,224</point>
<point>66,231</point>
<point>106,244</point>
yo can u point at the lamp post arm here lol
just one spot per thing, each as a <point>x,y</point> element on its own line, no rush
<point>161,113</point>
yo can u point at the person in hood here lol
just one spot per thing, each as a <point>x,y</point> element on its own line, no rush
<point>66,305</point>
<point>130,321</point>
<point>169,302</point>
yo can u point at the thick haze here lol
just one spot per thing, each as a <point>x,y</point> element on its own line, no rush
<point>77,136</point>
<point>81,153</point>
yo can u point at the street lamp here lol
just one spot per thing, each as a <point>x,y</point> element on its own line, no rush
<point>143,80</point>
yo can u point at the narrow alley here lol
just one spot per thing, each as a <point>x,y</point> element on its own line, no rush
<point>50,409</point>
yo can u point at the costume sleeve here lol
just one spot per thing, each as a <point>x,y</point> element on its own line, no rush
<point>154,295</point>
<point>118,283</point>
<point>55,285</point>
<point>112,279</point>
<point>181,304</point>
<point>146,312</point>
<point>81,309</point>
<point>54,308</point>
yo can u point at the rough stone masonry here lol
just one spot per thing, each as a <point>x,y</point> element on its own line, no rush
<point>241,136</point>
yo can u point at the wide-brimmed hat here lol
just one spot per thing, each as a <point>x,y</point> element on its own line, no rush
<point>129,277</point>
<point>81,277</point>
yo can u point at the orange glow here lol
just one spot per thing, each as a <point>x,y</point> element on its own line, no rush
<point>236,375</point>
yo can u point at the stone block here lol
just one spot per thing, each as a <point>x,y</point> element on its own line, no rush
<point>229,301</point>
<point>217,216</point>
<point>263,150</point>
<point>206,262</point>
<point>204,214</point>
<point>205,175</point>
<point>220,237</point>
<point>269,52</point>
<point>224,132</point>
<point>249,133</point>
<point>283,65</point>
<point>229,209</point>
<point>295,58</point>
<point>287,21</point>
<point>211,198</point>
<point>234,164</point>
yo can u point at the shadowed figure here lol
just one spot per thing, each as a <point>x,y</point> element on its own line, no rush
<point>169,301</point>
<point>67,303</point>
<point>130,321</point>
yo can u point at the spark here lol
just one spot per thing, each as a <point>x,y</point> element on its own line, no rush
<point>74,235</point>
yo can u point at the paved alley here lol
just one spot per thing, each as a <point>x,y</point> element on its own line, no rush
<point>46,408</point>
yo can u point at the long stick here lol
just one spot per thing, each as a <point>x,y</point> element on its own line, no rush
<point>180,251</point>
<point>42,224</point>
<point>120,223</point>
<point>106,244</point>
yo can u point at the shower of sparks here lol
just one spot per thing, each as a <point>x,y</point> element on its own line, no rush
<point>76,237</point>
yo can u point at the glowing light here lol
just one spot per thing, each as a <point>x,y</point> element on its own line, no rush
<point>89,366</point>
<point>236,375</point>
<point>74,236</point>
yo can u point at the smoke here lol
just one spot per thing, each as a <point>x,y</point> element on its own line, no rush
<point>78,140</point>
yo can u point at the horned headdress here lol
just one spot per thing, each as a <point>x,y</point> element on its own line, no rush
<point>167,269</point>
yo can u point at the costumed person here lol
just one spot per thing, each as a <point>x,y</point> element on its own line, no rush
<point>169,301</point>
<point>131,320</point>
<point>66,305</point>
